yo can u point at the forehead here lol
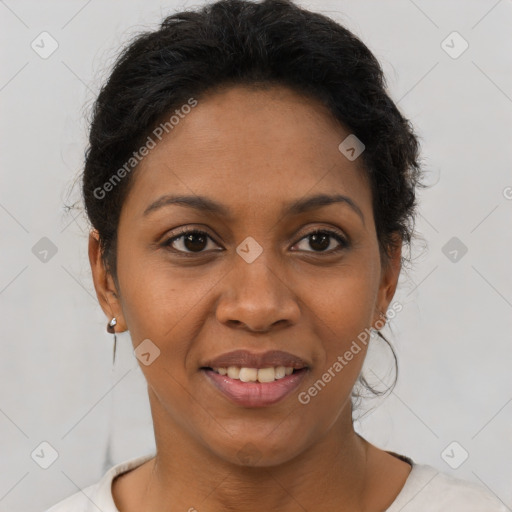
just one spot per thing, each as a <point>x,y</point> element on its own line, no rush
<point>250,148</point>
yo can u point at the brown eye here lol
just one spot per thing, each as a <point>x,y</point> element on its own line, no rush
<point>192,241</point>
<point>320,241</point>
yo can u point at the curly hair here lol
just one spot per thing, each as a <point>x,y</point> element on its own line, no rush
<point>240,42</point>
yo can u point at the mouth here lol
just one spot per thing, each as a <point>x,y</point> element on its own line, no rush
<point>255,387</point>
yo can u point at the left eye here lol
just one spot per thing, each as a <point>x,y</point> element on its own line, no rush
<point>320,239</point>
<point>194,241</point>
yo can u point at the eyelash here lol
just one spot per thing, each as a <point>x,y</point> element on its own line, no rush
<point>344,244</point>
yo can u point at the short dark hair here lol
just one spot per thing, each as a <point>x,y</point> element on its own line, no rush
<point>240,42</point>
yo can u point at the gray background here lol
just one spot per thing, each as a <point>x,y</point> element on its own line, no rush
<point>453,337</point>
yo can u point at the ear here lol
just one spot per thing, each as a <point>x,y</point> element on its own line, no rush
<point>106,291</point>
<point>388,283</point>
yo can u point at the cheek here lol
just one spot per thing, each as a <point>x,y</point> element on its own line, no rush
<point>341,312</point>
<point>343,302</point>
<point>160,300</point>
<point>342,319</point>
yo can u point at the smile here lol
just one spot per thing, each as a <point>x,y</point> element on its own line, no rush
<point>244,387</point>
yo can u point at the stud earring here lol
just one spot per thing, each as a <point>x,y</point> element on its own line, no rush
<point>111,329</point>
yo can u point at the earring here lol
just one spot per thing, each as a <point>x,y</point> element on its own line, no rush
<point>375,332</point>
<point>110,329</point>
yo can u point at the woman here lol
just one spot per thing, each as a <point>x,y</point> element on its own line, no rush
<point>250,187</point>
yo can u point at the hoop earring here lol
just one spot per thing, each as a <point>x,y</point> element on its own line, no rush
<point>110,329</point>
<point>383,316</point>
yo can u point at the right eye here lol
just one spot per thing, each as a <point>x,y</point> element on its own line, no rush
<point>191,241</point>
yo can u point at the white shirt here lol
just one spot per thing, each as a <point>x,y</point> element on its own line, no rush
<point>425,490</point>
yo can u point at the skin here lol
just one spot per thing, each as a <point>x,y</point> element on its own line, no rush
<point>252,150</point>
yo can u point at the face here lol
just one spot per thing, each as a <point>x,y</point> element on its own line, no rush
<point>256,278</point>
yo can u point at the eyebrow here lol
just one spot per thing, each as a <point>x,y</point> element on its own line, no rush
<point>205,204</point>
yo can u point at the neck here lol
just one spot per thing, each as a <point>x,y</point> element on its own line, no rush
<point>185,475</point>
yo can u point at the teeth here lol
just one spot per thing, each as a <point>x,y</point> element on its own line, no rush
<point>266,375</point>
<point>233,372</point>
<point>255,374</point>
<point>248,374</point>
<point>280,372</point>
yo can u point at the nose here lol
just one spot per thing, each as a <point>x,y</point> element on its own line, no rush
<point>256,297</point>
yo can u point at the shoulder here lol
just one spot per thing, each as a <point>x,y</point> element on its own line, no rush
<point>428,489</point>
<point>99,495</point>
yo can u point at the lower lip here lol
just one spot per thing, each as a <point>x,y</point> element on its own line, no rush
<point>255,394</point>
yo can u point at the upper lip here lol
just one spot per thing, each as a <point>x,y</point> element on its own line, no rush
<point>246,359</point>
